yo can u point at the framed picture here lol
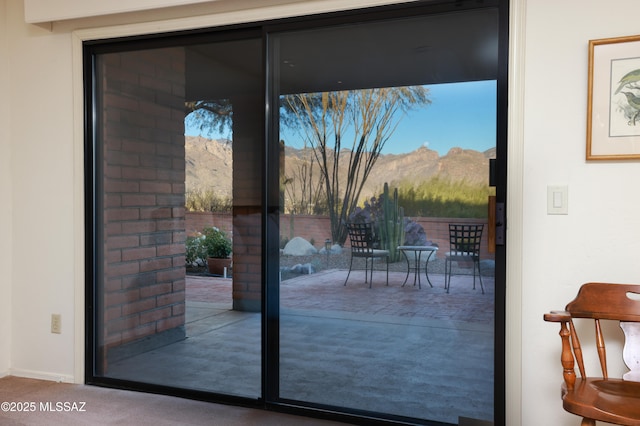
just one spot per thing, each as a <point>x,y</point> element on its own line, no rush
<point>613,116</point>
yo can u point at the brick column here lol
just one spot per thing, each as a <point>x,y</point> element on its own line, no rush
<point>248,116</point>
<point>143,289</point>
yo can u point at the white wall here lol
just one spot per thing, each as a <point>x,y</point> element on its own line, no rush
<point>600,237</point>
<point>5,201</point>
<point>42,178</point>
<point>597,240</point>
<point>47,10</point>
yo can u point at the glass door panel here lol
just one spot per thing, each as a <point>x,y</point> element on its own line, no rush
<point>368,109</point>
<point>169,194</point>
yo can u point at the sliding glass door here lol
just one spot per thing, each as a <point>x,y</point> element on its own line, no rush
<point>365,110</point>
<point>255,146</point>
<point>178,157</point>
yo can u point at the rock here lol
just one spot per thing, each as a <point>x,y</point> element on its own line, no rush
<point>307,268</point>
<point>298,246</point>
<point>335,249</point>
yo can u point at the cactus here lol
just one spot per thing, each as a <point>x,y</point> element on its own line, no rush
<point>391,225</point>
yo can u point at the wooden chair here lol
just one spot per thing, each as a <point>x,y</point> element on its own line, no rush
<point>361,237</point>
<point>613,400</point>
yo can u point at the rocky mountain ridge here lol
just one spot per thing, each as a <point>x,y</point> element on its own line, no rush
<point>209,166</point>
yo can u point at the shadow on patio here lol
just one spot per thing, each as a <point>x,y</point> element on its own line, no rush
<point>406,351</point>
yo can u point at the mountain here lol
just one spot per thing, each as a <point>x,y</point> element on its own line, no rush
<point>209,166</point>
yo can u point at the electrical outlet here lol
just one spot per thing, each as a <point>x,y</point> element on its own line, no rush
<point>56,323</point>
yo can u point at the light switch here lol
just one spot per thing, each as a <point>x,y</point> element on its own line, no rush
<point>557,199</point>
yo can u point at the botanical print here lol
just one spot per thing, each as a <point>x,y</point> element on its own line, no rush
<point>624,107</point>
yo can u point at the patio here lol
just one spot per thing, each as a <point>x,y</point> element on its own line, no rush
<point>402,350</point>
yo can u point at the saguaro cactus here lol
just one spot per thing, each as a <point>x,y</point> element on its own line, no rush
<point>391,225</point>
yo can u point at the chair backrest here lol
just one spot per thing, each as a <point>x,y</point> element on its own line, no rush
<point>361,237</point>
<point>601,301</point>
<point>465,239</point>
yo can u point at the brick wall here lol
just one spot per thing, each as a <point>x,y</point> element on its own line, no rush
<point>143,293</point>
<point>197,221</point>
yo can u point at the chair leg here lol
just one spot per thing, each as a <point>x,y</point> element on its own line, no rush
<point>447,274</point>
<point>474,275</point>
<point>479,276</point>
<point>387,270</point>
<point>366,271</point>
<point>348,273</point>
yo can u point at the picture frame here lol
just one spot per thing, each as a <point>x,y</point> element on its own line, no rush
<point>613,112</point>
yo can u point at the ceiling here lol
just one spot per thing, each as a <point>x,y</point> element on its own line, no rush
<point>442,48</point>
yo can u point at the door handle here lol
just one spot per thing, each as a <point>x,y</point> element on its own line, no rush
<point>500,225</point>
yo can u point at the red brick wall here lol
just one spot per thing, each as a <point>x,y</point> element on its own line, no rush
<point>143,293</point>
<point>197,221</point>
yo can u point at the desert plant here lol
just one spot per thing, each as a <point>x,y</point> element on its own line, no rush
<point>441,197</point>
<point>414,234</point>
<point>207,200</point>
<point>391,228</point>
<point>391,224</point>
<point>216,242</point>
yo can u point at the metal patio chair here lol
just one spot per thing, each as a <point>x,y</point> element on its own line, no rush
<point>361,237</point>
<point>464,246</point>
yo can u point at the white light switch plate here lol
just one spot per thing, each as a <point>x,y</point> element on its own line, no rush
<point>557,199</point>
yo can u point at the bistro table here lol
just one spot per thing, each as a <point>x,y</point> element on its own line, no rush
<point>417,254</point>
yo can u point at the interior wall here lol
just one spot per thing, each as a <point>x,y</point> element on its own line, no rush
<point>598,239</point>
<point>42,163</point>
<point>5,196</point>
<point>47,10</point>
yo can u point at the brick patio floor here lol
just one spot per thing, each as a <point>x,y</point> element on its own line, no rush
<point>324,291</point>
<point>405,351</point>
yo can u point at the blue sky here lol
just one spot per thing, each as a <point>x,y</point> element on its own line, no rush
<point>460,115</point>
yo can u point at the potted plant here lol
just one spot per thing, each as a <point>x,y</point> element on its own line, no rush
<point>218,248</point>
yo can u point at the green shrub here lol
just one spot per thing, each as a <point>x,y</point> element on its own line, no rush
<point>196,252</point>
<point>216,242</point>
<point>440,197</point>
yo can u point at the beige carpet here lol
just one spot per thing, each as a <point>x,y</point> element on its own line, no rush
<point>53,404</point>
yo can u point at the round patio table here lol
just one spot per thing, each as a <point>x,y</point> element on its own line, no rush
<point>417,254</point>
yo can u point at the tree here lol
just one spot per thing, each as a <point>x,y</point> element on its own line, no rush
<point>351,126</point>
<point>209,116</point>
<point>303,190</point>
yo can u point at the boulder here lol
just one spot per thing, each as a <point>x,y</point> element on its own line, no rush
<point>298,246</point>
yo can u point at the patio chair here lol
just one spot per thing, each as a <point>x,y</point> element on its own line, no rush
<point>601,398</point>
<point>464,246</point>
<point>361,237</point>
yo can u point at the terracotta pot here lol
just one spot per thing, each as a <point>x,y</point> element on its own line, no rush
<point>216,265</point>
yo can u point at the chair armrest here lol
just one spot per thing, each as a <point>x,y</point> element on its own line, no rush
<point>566,358</point>
<point>557,316</point>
